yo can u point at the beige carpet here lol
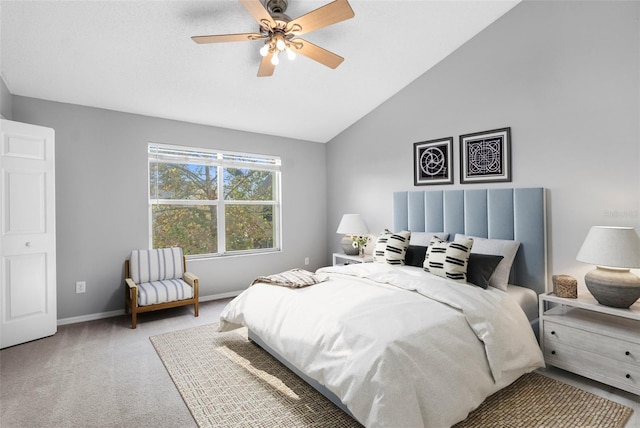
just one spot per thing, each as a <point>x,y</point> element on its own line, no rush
<point>227,381</point>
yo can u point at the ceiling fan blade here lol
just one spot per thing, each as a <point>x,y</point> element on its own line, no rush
<point>329,14</point>
<point>258,11</point>
<point>316,53</point>
<point>243,37</point>
<point>266,68</point>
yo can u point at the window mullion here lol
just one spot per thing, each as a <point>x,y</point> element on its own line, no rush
<point>278,211</point>
<point>221,213</point>
<point>243,202</point>
<point>190,202</point>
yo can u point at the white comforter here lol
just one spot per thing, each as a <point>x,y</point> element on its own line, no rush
<point>398,346</point>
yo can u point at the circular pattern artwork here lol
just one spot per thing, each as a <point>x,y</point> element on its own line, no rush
<point>433,161</point>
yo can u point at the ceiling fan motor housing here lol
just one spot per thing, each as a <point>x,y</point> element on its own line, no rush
<point>277,6</point>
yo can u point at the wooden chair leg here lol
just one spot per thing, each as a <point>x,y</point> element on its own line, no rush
<point>196,294</point>
<point>134,308</point>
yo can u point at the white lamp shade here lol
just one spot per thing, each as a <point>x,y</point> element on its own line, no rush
<point>352,224</point>
<point>616,247</point>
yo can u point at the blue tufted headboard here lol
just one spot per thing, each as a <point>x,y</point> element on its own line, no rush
<point>489,213</point>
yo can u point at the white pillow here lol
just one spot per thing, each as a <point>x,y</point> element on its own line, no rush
<point>423,238</point>
<point>391,247</point>
<point>499,247</point>
<point>448,259</point>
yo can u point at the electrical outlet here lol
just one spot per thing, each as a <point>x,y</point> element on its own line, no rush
<point>81,286</point>
<point>306,261</point>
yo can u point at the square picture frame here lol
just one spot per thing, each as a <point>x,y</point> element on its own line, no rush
<point>433,162</point>
<point>485,157</point>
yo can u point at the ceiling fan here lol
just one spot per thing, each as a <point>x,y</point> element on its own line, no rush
<point>280,33</point>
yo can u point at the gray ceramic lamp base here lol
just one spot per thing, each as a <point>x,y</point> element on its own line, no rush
<point>347,246</point>
<point>613,287</point>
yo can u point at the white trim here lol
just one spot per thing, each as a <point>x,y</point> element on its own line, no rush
<point>90,317</point>
<point>220,160</point>
<point>220,296</point>
<point>103,315</point>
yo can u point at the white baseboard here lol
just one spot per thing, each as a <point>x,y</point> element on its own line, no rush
<point>102,315</point>
<point>90,317</point>
<point>220,296</point>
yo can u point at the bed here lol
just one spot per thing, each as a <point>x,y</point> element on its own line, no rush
<point>395,345</point>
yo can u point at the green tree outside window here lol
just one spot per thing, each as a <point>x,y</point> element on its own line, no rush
<point>184,189</point>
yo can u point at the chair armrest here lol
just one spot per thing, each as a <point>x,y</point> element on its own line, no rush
<point>190,278</point>
<point>130,283</point>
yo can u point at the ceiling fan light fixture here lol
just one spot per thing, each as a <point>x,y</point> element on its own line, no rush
<point>280,43</point>
<point>280,33</point>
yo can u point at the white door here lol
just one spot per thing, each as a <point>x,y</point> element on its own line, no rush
<point>27,228</point>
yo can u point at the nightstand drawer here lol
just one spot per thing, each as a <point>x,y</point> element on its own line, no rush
<point>603,369</point>
<point>587,338</point>
<point>618,349</point>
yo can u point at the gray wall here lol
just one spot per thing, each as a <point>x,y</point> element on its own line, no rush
<point>565,76</point>
<point>101,200</point>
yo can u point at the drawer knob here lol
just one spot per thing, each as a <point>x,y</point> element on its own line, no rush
<point>553,352</point>
<point>628,376</point>
<point>553,332</point>
<point>627,353</point>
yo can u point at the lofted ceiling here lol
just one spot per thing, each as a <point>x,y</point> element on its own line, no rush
<point>138,57</point>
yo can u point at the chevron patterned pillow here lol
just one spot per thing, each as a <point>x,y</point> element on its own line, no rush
<point>448,259</point>
<point>397,245</point>
<point>391,247</point>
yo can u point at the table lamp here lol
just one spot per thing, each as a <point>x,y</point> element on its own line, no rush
<point>614,250</point>
<point>351,224</point>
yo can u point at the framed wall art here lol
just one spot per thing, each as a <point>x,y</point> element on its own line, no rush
<point>485,156</point>
<point>433,162</point>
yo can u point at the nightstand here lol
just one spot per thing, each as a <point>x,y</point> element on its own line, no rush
<point>345,259</point>
<point>592,340</point>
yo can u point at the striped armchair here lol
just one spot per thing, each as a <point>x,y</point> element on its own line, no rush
<point>157,279</point>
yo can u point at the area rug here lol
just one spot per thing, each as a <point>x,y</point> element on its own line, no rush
<point>228,381</point>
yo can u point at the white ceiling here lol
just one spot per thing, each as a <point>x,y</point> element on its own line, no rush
<point>137,57</point>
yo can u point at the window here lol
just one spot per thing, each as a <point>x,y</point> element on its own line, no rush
<point>212,202</point>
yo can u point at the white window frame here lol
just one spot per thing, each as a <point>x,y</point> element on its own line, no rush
<point>220,159</point>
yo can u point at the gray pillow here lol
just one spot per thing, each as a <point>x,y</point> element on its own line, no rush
<point>498,247</point>
<point>423,238</point>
